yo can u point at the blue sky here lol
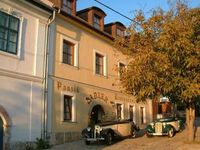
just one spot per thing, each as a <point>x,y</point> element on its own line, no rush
<point>128,7</point>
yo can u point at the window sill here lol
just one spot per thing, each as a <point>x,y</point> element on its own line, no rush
<point>100,75</point>
<point>68,122</point>
<point>10,55</point>
<point>70,66</point>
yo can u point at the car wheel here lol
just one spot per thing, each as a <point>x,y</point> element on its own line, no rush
<point>171,132</point>
<point>87,142</point>
<point>133,133</point>
<point>148,135</point>
<point>109,138</point>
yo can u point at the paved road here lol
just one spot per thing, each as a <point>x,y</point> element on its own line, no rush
<point>139,143</point>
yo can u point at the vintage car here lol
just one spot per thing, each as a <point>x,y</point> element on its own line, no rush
<point>165,126</point>
<point>107,131</point>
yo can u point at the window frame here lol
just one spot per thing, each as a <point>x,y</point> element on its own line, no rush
<point>17,15</point>
<point>125,64</point>
<point>144,114</point>
<point>99,65</point>
<point>76,52</point>
<point>69,53</point>
<point>73,107</point>
<point>120,33</point>
<point>134,112</point>
<point>119,68</point>
<point>122,110</point>
<point>96,52</point>
<point>97,21</point>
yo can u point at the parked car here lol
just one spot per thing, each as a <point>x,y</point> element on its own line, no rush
<point>165,126</point>
<point>107,131</point>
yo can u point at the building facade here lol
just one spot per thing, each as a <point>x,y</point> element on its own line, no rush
<point>23,38</point>
<point>83,83</point>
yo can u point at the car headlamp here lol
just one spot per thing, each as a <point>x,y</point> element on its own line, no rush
<point>88,129</point>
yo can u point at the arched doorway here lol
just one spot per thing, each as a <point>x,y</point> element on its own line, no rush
<point>96,114</point>
<point>1,134</point>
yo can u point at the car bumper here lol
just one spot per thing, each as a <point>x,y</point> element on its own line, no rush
<point>94,139</point>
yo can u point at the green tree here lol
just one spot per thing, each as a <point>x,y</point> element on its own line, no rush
<point>164,54</point>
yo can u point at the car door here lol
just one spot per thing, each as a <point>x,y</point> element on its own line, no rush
<point>124,129</point>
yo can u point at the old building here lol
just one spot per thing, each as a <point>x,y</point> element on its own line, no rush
<point>83,81</point>
<point>23,38</point>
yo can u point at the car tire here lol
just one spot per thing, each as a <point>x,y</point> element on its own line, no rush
<point>109,138</point>
<point>87,142</point>
<point>148,135</point>
<point>133,133</point>
<point>171,132</point>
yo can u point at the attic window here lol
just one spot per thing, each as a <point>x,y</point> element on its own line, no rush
<point>119,32</point>
<point>67,6</point>
<point>96,21</point>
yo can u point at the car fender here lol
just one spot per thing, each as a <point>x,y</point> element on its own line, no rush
<point>149,129</point>
<point>104,132</point>
<point>167,128</point>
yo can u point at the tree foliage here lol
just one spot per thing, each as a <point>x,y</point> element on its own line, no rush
<point>164,54</point>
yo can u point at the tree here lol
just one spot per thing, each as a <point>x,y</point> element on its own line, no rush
<point>164,54</point>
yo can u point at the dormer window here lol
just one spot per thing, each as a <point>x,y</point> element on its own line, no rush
<point>94,16</point>
<point>67,5</point>
<point>96,21</point>
<point>119,32</point>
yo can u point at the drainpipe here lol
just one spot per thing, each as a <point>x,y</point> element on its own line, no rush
<point>45,85</point>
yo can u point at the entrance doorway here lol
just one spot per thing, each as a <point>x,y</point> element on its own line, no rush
<point>1,134</point>
<point>96,114</point>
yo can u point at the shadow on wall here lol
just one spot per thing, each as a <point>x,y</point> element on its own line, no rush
<point>23,103</point>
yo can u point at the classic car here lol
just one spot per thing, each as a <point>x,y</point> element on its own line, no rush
<point>165,126</point>
<point>107,131</point>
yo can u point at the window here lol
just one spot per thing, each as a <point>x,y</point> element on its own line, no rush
<point>122,69</point>
<point>131,112</point>
<point>119,32</point>
<point>9,33</point>
<point>96,21</point>
<point>142,115</point>
<point>67,116</point>
<point>99,64</point>
<point>119,111</point>
<point>67,6</point>
<point>68,53</point>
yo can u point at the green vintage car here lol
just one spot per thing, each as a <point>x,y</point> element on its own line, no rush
<point>165,126</point>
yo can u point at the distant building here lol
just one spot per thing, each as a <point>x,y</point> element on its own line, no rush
<point>84,74</point>
<point>23,30</point>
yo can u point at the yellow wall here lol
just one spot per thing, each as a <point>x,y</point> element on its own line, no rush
<point>87,43</point>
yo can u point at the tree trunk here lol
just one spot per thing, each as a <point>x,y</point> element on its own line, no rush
<point>190,117</point>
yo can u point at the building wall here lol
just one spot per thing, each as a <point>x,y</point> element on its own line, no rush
<point>21,76</point>
<point>82,83</point>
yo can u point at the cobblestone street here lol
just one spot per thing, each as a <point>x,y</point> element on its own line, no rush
<point>139,143</point>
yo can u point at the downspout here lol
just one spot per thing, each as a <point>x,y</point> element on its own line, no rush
<point>45,86</point>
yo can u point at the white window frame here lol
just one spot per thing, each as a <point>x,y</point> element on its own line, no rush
<point>18,15</point>
<point>105,62</point>
<point>134,112</point>
<point>76,45</point>
<point>73,107</point>
<point>122,111</point>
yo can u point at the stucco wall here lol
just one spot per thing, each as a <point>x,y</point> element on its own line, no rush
<point>21,75</point>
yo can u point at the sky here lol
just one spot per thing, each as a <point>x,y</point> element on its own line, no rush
<point>128,7</point>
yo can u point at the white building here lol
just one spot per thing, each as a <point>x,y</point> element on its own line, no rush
<point>23,40</point>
